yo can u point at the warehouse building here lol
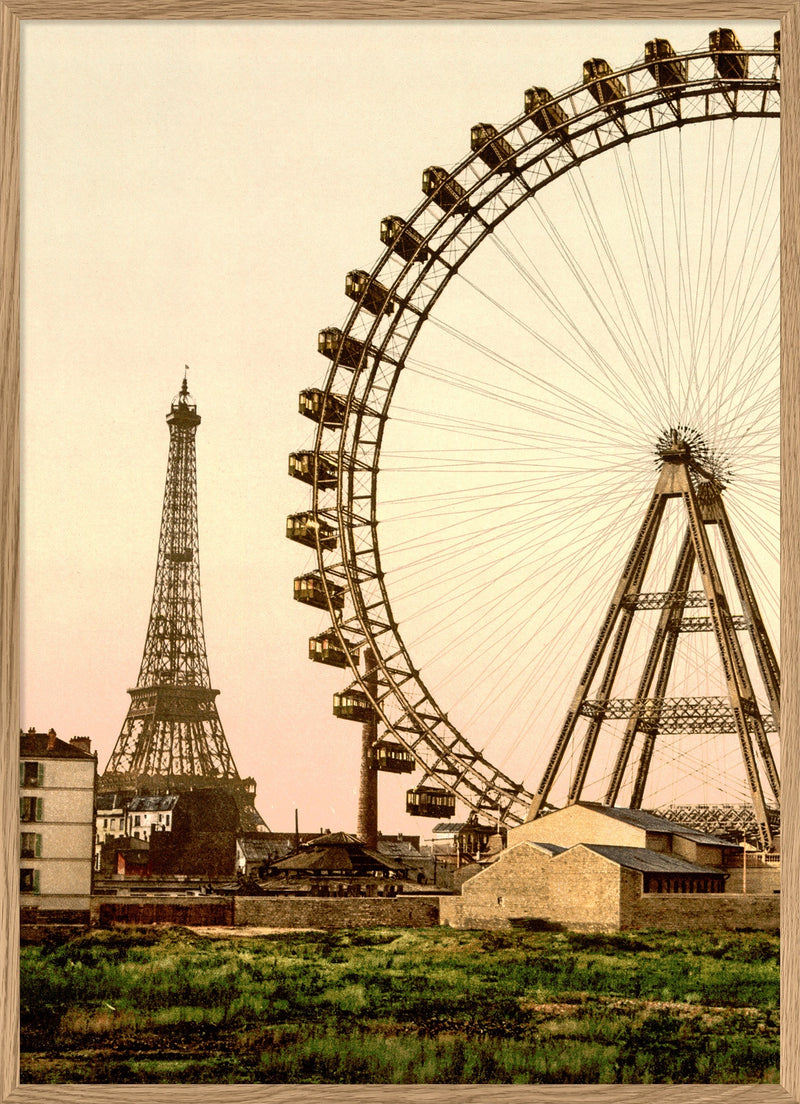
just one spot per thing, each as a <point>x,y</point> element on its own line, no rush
<point>592,867</point>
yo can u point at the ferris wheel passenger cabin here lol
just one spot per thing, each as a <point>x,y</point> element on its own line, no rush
<point>314,404</point>
<point>326,648</point>
<point>494,150</point>
<point>305,530</point>
<point>392,757</point>
<point>444,189</point>
<point>371,295</point>
<point>663,65</point>
<point>545,114</point>
<point>404,240</point>
<point>730,61</point>
<point>430,801</point>
<point>353,705</point>
<point>603,85</point>
<point>310,590</point>
<point>303,465</point>
<point>332,341</point>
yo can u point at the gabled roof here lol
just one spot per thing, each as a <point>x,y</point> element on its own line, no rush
<point>649,862</point>
<point>651,823</point>
<point>553,848</point>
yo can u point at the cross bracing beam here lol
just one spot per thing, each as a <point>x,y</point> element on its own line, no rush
<point>692,599</point>
<point>671,715</point>
<point>705,624</point>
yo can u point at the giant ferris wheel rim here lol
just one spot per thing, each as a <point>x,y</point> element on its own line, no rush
<point>439,748</point>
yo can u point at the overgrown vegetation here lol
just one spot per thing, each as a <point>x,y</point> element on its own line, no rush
<point>391,1006</point>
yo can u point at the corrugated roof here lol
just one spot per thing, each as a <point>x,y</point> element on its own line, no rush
<point>649,862</point>
<point>106,801</point>
<point>257,849</point>
<point>347,855</point>
<point>153,803</point>
<point>651,823</point>
<point>397,849</point>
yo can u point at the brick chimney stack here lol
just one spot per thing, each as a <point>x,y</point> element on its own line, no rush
<point>51,739</point>
<point>82,742</point>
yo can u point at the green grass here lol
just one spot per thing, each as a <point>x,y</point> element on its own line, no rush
<point>392,1006</point>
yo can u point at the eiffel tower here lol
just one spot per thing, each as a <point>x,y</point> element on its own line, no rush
<point>689,472</point>
<point>172,738</point>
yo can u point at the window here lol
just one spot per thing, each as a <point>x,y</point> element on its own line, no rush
<point>28,880</point>
<point>31,774</point>
<point>30,845</point>
<point>30,809</point>
<point>137,820</point>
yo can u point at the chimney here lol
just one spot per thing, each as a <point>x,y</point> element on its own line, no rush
<point>51,739</point>
<point>82,742</point>
<point>367,818</point>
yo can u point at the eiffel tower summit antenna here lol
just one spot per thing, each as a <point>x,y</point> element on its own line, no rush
<point>692,473</point>
<point>172,738</point>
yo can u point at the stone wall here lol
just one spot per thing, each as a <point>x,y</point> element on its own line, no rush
<point>702,911</point>
<point>761,878</point>
<point>330,913</point>
<point>577,889</point>
<point>577,824</point>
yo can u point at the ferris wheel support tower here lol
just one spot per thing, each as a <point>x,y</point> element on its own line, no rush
<point>682,476</point>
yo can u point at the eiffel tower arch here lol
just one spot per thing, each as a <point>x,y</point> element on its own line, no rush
<point>172,739</point>
<point>749,707</point>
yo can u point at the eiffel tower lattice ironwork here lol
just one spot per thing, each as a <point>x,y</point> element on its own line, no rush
<point>172,737</point>
<point>685,474</point>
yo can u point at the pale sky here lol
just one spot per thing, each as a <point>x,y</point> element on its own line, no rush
<point>194,193</point>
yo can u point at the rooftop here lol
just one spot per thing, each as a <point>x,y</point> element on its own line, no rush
<point>651,823</point>
<point>154,803</point>
<point>46,745</point>
<point>649,862</point>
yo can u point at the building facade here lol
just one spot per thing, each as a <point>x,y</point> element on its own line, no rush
<point>594,867</point>
<point>56,814</point>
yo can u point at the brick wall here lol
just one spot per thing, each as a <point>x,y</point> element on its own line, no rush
<point>709,911</point>
<point>197,911</point>
<point>337,912</point>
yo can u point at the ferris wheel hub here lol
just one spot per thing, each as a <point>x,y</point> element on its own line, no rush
<point>684,444</point>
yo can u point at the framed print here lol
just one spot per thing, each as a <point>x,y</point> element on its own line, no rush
<point>541,512</point>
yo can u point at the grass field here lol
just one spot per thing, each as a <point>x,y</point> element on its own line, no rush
<point>401,1006</point>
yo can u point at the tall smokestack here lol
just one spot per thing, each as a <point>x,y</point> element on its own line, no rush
<point>367,830</point>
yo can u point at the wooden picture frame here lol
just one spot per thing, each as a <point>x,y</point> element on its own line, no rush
<point>11,15</point>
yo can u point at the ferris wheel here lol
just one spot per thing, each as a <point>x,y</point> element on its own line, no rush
<point>592,289</point>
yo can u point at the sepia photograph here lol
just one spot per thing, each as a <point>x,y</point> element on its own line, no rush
<point>400,552</point>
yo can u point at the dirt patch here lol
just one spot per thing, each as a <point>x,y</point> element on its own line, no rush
<point>219,932</point>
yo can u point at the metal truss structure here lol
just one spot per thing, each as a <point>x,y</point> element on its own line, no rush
<point>732,822</point>
<point>681,477</point>
<point>462,207</point>
<point>172,737</point>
